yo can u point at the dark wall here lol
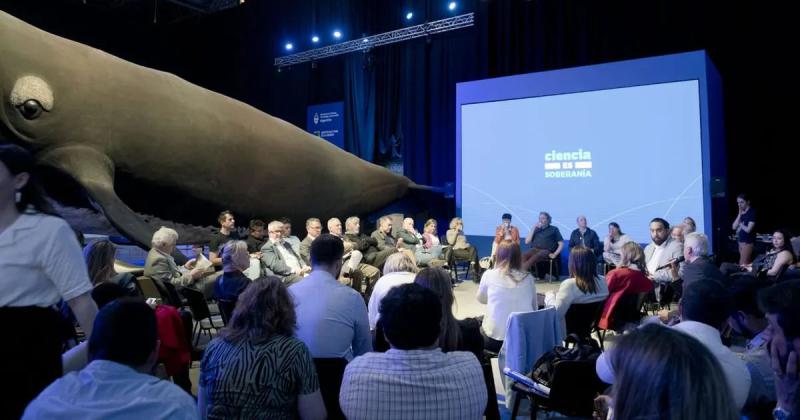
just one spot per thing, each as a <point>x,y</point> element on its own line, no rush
<point>232,52</point>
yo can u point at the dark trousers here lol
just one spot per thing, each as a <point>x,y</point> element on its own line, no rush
<point>470,254</point>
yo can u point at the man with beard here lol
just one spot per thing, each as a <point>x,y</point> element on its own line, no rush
<point>661,257</point>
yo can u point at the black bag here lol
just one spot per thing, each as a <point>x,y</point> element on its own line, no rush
<point>569,372</point>
<point>575,349</point>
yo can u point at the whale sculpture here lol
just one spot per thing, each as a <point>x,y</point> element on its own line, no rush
<point>178,151</point>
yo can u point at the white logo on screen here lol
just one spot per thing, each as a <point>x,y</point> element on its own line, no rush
<point>316,118</point>
<point>568,164</point>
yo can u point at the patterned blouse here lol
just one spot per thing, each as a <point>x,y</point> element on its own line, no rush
<point>256,380</point>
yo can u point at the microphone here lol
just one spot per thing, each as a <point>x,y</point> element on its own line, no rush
<point>674,260</point>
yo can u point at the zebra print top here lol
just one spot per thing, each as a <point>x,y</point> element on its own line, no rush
<point>256,380</point>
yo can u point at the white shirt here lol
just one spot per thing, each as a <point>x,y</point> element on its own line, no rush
<point>290,260</point>
<point>109,390</point>
<point>40,262</point>
<point>413,384</point>
<point>381,288</point>
<point>652,264</point>
<point>734,368</point>
<point>503,296</point>
<point>569,294</point>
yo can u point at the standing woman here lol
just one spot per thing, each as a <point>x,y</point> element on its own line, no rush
<point>40,264</point>
<point>744,226</point>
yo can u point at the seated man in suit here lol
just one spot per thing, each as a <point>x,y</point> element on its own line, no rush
<point>161,266</point>
<point>698,265</point>
<point>293,240</point>
<point>313,229</point>
<point>279,259</point>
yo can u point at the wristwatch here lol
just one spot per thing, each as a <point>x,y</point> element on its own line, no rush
<point>779,413</point>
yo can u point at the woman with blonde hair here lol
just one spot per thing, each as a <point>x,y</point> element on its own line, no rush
<point>460,248</point>
<point>505,289</point>
<point>629,278</point>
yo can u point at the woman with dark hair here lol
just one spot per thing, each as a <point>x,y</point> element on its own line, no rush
<point>661,373</point>
<point>99,257</point>
<point>256,368</point>
<point>612,245</point>
<point>769,265</point>
<point>584,285</point>
<point>745,228</point>
<point>505,289</point>
<point>461,335</point>
<point>40,264</point>
<point>689,225</point>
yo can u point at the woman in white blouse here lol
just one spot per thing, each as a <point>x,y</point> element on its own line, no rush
<point>583,286</point>
<point>612,244</point>
<point>40,264</point>
<point>505,289</point>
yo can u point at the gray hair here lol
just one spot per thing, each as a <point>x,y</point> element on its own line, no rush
<point>351,221</point>
<point>399,262</point>
<point>274,225</point>
<point>235,255</point>
<point>163,238</point>
<point>698,243</point>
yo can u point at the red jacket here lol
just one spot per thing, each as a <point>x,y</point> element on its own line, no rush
<point>622,281</point>
<point>174,351</point>
<point>499,234</point>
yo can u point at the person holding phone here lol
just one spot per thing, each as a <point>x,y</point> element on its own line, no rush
<point>744,226</point>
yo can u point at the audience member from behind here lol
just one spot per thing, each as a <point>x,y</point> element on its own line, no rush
<point>455,335</point>
<point>99,257</point>
<point>748,321</point>
<point>612,244</point>
<point>630,278</point>
<point>117,383</point>
<point>398,269</point>
<point>704,310</point>
<point>586,237</point>
<point>505,289</point>
<point>583,284</point>
<point>780,303</point>
<point>413,379</point>
<point>40,264</point>
<point>232,282</point>
<point>331,317</point>
<point>160,265</point>
<point>256,368</point>
<point>664,374</point>
<point>698,265</point>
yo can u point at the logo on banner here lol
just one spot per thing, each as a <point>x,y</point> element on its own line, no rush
<point>316,118</point>
<point>577,164</point>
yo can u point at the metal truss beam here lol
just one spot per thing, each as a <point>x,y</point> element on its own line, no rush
<point>367,43</point>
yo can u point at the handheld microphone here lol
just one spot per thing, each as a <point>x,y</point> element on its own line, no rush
<point>675,260</point>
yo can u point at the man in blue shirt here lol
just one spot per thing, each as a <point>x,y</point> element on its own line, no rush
<point>331,317</point>
<point>123,349</point>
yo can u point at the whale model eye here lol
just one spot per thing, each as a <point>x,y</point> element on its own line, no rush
<point>30,109</point>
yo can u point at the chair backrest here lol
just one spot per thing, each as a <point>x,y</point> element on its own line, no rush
<point>627,310</point>
<point>147,288</point>
<point>197,303</point>
<point>226,307</point>
<point>581,318</point>
<point>330,372</point>
<point>575,385</point>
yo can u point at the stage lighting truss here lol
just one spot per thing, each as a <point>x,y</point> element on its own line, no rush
<point>369,42</point>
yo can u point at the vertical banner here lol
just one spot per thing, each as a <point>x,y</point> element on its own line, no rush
<point>327,121</point>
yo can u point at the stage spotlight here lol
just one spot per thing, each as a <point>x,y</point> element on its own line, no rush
<point>289,46</point>
<point>337,34</point>
<point>409,15</point>
<point>452,6</point>
<point>315,39</point>
<point>365,40</point>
